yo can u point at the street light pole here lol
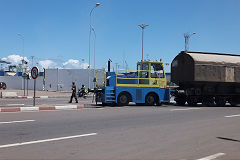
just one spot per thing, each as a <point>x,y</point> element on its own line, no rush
<point>187,37</point>
<point>143,26</point>
<point>20,35</point>
<point>94,47</point>
<point>94,74</point>
<point>23,61</point>
<point>90,31</point>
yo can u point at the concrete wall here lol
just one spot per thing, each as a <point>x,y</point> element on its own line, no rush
<point>56,79</point>
<point>17,82</point>
<point>61,79</point>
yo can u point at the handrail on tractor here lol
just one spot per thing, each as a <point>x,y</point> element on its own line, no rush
<point>156,78</point>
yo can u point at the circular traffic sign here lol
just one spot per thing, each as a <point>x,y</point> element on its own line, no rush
<point>34,72</point>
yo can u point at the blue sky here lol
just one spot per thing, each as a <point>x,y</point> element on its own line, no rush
<point>58,30</point>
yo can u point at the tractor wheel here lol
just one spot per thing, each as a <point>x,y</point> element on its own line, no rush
<point>123,99</point>
<point>150,100</point>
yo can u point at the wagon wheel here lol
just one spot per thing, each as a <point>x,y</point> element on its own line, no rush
<point>208,101</point>
<point>233,102</point>
<point>180,100</point>
<point>220,101</point>
<point>191,101</point>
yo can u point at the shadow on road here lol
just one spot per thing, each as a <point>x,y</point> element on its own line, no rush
<point>202,106</point>
<point>228,139</point>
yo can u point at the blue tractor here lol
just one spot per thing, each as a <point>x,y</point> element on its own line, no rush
<point>145,86</point>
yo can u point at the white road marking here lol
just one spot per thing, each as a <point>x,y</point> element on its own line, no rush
<point>17,121</point>
<point>237,115</point>
<point>212,156</point>
<point>184,109</point>
<point>46,140</point>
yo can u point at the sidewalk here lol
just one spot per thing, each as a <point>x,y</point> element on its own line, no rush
<point>45,107</point>
<point>9,93</point>
<point>83,103</point>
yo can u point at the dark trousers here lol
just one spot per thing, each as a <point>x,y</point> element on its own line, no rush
<point>73,95</point>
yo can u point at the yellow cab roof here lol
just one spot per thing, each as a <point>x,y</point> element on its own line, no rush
<point>150,62</point>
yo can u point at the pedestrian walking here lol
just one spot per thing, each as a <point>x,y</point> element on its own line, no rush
<point>73,93</point>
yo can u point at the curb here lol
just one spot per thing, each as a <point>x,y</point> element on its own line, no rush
<point>41,108</point>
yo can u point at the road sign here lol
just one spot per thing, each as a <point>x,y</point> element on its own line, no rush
<point>34,72</point>
<point>25,75</point>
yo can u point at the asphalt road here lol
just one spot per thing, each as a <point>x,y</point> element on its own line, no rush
<point>166,132</point>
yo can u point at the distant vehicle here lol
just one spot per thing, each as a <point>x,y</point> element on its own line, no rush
<point>207,78</point>
<point>3,85</point>
<point>82,93</point>
<point>146,86</point>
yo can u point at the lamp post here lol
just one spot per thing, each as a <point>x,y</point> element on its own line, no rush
<point>187,37</point>
<point>143,26</point>
<point>94,68</point>
<point>20,35</point>
<point>23,61</point>
<point>90,30</point>
<point>32,57</point>
<point>94,47</point>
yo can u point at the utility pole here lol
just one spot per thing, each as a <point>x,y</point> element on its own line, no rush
<point>23,61</point>
<point>187,37</point>
<point>143,26</point>
<point>32,60</point>
<point>126,65</point>
<point>116,67</point>
<point>89,49</point>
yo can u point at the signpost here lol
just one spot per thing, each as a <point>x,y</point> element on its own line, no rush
<point>34,73</point>
<point>24,75</point>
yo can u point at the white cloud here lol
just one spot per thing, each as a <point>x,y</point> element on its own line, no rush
<point>74,64</point>
<point>48,64</point>
<point>84,65</point>
<point>15,59</point>
<point>69,64</point>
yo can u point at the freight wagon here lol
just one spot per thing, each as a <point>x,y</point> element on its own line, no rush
<point>207,78</point>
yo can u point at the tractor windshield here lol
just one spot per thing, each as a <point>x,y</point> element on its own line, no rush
<point>157,70</point>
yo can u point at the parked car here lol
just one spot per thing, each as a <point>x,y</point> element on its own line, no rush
<point>3,85</point>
